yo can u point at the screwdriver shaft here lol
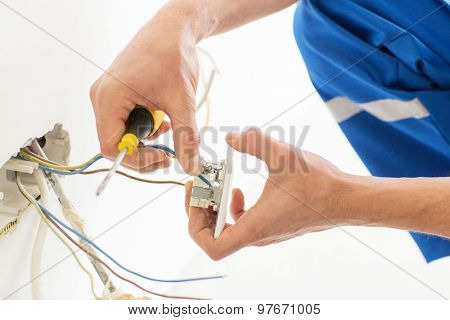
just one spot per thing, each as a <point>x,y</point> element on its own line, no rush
<point>111,171</point>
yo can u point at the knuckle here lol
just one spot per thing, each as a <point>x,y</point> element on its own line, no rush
<point>215,255</point>
<point>215,251</point>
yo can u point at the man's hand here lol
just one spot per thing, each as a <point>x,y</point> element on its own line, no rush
<point>159,69</point>
<point>305,193</point>
<point>297,199</point>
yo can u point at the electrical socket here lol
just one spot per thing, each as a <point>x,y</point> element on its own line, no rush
<point>216,194</point>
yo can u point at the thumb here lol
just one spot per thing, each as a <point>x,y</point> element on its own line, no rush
<point>232,238</point>
<point>185,134</point>
<point>237,204</point>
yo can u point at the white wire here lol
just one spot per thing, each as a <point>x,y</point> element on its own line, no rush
<point>38,247</point>
<point>36,205</point>
<point>209,83</point>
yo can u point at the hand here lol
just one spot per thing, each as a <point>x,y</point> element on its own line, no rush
<point>158,70</point>
<point>298,198</point>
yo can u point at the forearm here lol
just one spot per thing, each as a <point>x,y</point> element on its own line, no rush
<point>416,204</point>
<point>204,18</point>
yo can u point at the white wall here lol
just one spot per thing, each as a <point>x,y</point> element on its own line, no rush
<point>43,82</point>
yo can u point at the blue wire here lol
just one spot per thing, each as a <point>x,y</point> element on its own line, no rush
<point>167,149</point>
<point>204,180</point>
<point>82,237</point>
<point>91,162</point>
<point>164,148</point>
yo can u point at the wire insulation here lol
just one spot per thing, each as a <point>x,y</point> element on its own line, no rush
<point>164,148</point>
<point>112,270</point>
<point>31,156</point>
<point>72,172</point>
<point>36,205</point>
<point>82,237</point>
<point>10,226</point>
<point>54,227</point>
<point>133,177</point>
<point>57,169</point>
<point>170,151</point>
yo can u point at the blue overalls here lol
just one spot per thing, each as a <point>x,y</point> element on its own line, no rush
<point>383,68</point>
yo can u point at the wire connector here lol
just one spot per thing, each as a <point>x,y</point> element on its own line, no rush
<point>211,189</point>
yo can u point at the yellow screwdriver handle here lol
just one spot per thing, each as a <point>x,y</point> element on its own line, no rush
<point>141,124</point>
<point>158,118</point>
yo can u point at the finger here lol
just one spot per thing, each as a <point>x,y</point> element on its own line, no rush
<point>150,168</point>
<point>232,238</point>
<point>110,128</point>
<point>187,199</point>
<point>144,158</point>
<point>237,204</point>
<point>165,126</point>
<point>156,166</point>
<point>257,144</point>
<point>185,135</point>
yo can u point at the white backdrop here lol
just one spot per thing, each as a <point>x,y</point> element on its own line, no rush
<point>43,82</point>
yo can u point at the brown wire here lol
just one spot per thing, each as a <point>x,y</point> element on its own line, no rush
<point>112,270</point>
<point>134,178</point>
<point>26,150</point>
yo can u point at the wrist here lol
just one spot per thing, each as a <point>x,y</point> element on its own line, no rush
<point>354,200</point>
<point>192,18</point>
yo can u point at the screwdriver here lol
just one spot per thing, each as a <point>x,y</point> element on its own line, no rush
<point>141,124</point>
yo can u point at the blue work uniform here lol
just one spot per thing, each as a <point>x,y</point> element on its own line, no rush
<point>383,69</point>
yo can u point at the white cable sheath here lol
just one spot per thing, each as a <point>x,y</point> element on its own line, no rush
<point>74,220</point>
<point>36,255</point>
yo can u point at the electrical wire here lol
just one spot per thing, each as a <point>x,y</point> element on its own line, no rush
<point>31,156</point>
<point>43,165</point>
<point>112,270</point>
<point>208,87</point>
<point>35,155</point>
<point>207,100</point>
<point>72,172</point>
<point>133,177</point>
<point>163,148</point>
<point>207,84</point>
<point>46,161</point>
<point>52,168</point>
<point>82,237</point>
<point>172,152</point>
<point>54,227</point>
<point>10,226</point>
<point>36,205</point>
<point>39,240</point>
